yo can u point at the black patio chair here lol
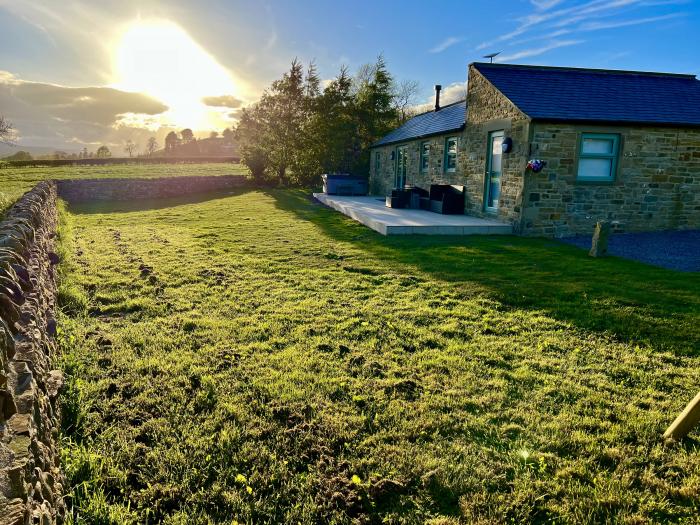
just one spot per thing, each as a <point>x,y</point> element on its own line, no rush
<point>447,199</point>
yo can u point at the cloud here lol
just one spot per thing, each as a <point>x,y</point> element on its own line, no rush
<point>545,4</point>
<point>271,40</point>
<point>451,93</point>
<point>223,101</point>
<point>560,19</point>
<point>595,26</point>
<point>54,115</point>
<point>448,42</point>
<point>535,51</point>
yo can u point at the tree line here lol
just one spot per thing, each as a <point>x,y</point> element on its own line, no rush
<point>182,144</point>
<point>299,129</point>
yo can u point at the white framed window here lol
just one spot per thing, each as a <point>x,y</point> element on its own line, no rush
<point>597,157</point>
<point>424,157</point>
<point>451,154</point>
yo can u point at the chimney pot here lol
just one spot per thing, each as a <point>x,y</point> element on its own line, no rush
<point>438,87</point>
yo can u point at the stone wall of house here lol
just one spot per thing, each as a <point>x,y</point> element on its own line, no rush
<point>488,110</point>
<point>657,185</point>
<point>382,182</point>
<point>31,484</point>
<point>126,189</point>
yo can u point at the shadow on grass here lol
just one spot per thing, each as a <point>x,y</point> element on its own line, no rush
<point>152,204</point>
<point>631,301</point>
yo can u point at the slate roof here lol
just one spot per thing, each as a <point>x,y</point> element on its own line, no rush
<point>571,94</point>
<point>447,119</point>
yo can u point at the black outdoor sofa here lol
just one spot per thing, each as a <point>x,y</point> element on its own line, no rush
<point>447,199</point>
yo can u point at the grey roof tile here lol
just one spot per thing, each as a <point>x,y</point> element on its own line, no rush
<point>550,93</point>
<point>446,119</point>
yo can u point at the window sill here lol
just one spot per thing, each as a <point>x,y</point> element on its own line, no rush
<point>603,182</point>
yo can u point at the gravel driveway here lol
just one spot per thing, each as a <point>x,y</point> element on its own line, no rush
<point>675,250</point>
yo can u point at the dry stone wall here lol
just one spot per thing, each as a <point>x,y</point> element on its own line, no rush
<point>86,190</point>
<point>31,484</point>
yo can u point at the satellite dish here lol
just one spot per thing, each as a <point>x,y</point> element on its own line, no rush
<point>491,56</point>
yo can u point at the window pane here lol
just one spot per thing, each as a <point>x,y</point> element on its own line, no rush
<point>497,145</point>
<point>494,192</point>
<point>451,154</point>
<point>599,146</point>
<point>425,152</point>
<point>595,168</point>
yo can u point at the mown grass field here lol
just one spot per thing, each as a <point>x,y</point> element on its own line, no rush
<point>257,358</point>
<point>15,181</point>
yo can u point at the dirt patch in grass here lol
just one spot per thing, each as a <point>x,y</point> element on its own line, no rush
<point>287,365</point>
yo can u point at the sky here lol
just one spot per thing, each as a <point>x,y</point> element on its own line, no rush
<point>79,73</point>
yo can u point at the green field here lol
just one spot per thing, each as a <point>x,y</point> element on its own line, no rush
<point>257,358</point>
<point>15,181</point>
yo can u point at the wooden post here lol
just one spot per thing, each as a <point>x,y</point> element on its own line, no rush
<point>599,244</point>
<point>685,422</point>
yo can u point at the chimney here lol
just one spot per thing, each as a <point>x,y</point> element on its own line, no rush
<point>438,87</point>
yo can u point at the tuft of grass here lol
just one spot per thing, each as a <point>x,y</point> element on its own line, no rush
<point>279,363</point>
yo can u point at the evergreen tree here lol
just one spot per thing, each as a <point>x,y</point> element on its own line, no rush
<point>298,130</point>
<point>375,112</point>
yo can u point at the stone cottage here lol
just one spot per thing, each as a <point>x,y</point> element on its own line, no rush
<point>623,146</point>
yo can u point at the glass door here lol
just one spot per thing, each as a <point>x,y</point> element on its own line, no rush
<point>494,159</point>
<point>401,166</point>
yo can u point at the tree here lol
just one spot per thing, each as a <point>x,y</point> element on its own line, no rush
<point>84,154</point>
<point>151,146</point>
<point>214,135</point>
<point>375,111</point>
<point>298,130</point>
<point>332,128</point>
<point>20,155</point>
<point>405,93</point>
<point>187,135</point>
<point>250,132</point>
<point>283,108</point>
<point>228,135</point>
<point>103,152</point>
<point>171,143</point>
<point>273,130</point>
<point>7,131</point>
<point>130,147</point>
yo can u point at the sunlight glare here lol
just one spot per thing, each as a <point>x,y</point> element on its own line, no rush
<point>160,59</point>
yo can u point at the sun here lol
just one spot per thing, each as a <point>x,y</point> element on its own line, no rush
<point>160,59</point>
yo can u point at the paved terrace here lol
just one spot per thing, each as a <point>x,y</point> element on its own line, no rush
<point>372,212</point>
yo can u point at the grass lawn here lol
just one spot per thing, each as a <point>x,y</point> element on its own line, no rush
<point>257,358</point>
<point>15,181</point>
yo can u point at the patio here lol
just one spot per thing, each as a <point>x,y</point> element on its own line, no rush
<point>373,213</point>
